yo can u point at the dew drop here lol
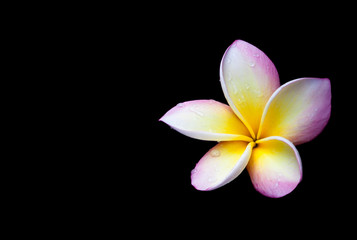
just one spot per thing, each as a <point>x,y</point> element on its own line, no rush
<point>311,116</point>
<point>229,77</point>
<point>215,153</point>
<point>278,179</point>
<point>252,64</point>
<point>235,90</point>
<point>211,179</point>
<point>257,55</point>
<point>197,112</point>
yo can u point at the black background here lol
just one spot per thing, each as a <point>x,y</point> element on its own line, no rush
<point>112,76</point>
<point>95,82</point>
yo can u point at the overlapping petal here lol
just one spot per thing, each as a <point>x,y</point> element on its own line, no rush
<point>221,164</point>
<point>275,167</point>
<point>206,120</point>
<point>298,110</point>
<point>248,79</point>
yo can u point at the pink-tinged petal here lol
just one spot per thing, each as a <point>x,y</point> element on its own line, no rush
<point>298,110</point>
<point>275,167</point>
<point>248,78</point>
<point>220,165</point>
<point>206,120</point>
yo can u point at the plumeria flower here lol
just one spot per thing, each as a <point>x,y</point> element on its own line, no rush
<point>261,126</point>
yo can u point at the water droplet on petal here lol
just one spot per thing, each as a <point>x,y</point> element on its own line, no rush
<point>278,179</point>
<point>211,179</point>
<point>241,99</point>
<point>197,112</point>
<point>215,153</point>
<point>229,77</point>
<point>235,90</point>
<point>252,64</point>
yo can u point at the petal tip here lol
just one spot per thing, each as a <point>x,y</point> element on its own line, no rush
<point>163,118</point>
<point>239,42</point>
<point>278,189</point>
<point>198,185</point>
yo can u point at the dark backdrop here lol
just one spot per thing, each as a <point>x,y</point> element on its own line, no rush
<point>94,81</point>
<point>136,67</point>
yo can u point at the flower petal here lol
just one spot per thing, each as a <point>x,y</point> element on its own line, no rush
<point>221,164</point>
<point>206,120</point>
<point>298,110</point>
<point>248,79</point>
<point>275,167</point>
